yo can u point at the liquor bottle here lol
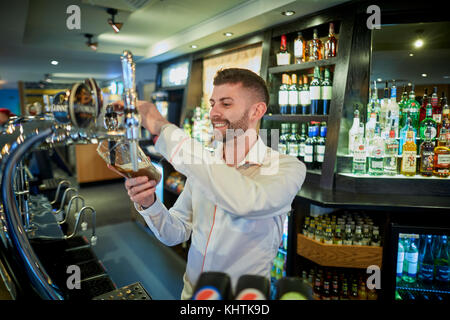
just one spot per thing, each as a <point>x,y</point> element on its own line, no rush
<point>441,163</point>
<point>362,292</point>
<point>337,236</point>
<point>358,236</point>
<point>348,235</point>
<point>282,144</point>
<point>376,153</point>
<point>302,142</point>
<point>390,154</point>
<point>328,235</point>
<point>306,226</point>
<point>305,98</point>
<point>314,91</point>
<point>335,288</point>
<point>411,257</point>
<point>413,108</point>
<point>426,267</point>
<point>354,130</point>
<point>293,147</point>
<point>437,107</point>
<point>326,92</point>
<point>400,258</point>
<point>366,235</point>
<point>315,47</point>
<point>300,48</point>
<point>393,110</point>
<point>442,263</point>
<point>423,107</point>
<point>283,56</point>
<point>354,291</point>
<point>312,229</point>
<point>445,122</point>
<point>427,154</point>
<point>404,130</point>
<point>409,159</point>
<point>326,292</point>
<point>428,122</point>
<point>373,106</point>
<point>402,106</point>
<point>370,125</point>
<point>320,145</point>
<point>384,105</point>
<point>331,43</point>
<point>316,132</point>
<point>283,94</point>
<point>359,155</point>
<point>293,95</point>
<point>317,289</point>
<point>309,149</point>
<point>344,295</point>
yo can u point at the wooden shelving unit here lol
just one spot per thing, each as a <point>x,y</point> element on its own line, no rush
<point>344,256</point>
<point>303,66</point>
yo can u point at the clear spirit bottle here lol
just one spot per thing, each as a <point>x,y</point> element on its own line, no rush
<point>283,94</point>
<point>376,153</point>
<point>390,154</point>
<point>354,130</point>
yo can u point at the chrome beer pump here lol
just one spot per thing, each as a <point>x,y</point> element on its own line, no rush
<point>73,119</point>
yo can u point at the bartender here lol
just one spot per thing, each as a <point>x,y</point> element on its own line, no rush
<point>236,198</point>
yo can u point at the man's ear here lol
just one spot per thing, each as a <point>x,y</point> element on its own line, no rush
<point>259,109</point>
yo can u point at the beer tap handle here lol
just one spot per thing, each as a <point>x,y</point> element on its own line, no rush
<point>69,207</point>
<point>58,190</point>
<point>60,211</point>
<point>77,224</point>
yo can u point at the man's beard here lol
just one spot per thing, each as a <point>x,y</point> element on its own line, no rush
<point>234,129</point>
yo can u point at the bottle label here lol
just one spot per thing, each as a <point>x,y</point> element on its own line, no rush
<point>412,258</point>
<point>326,92</point>
<point>426,161</point>
<point>302,149</point>
<point>298,49</point>
<point>305,99</point>
<point>293,149</point>
<point>314,92</point>
<point>282,148</point>
<point>359,154</point>
<point>409,161</point>
<point>400,258</point>
<point>283,98</point>
<point>320,153</point>
<point>293,98</point>
<point>443,159</point>
<point>308,158</point>
<point>443,273</point>
<point>376,163</point>
<point>437,117</point>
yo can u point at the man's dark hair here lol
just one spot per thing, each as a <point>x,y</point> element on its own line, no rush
<point>247,78</point>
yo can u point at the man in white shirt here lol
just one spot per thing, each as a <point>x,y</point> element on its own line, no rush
<point>236,198</point>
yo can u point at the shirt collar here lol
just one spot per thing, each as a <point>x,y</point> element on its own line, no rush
<point>255,155</point>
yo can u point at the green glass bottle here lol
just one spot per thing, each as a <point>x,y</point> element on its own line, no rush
<point>282,144</point>
<point>442,263</point>
<point>414,108</point>
<point>426,267</point>
<point>412,259</point>
<point>402,105</point>
<point>428,122</point>
<point>293,142</point>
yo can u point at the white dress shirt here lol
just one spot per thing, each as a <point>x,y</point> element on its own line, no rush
<point>234,215</point>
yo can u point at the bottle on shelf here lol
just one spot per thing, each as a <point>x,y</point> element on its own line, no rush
<point>328,235</point>
<point>373,106</point>
<point>437,107</point>
<point>326,92</point>
<point>400,258</point>
<point>305,98</point>
<point>428,122</point>
<point>442,262</point>
<point>423,106</point>
<point>413,108</point>
<point>337,237</point>
<point>316,127</point>
<point>309,149</point>
<point>375,241</point>
<point>320,145</point>
<point>315,47</point>
<point>283,143</point>
<point>427,154</point>
<point>393,110</point>
<point>293,95</point>
<point>359,155</point>
<point>376,152</point>
<point>358,240</point>
<point>283,56</point>
<point>445,122</point>
<point>426,267</point>
<point>412,258</point>
<point>283,94</point>
<point>302,142</point>
<point>348,235</point>
<point>354,130</point>
<point>314,92</point>
<point>331,43</point>
<point>390,154</point>
<point>293,147</point>
<point>384,106</point>
<point>441,163</point>
<point>402,106</point>
<point>300,48</point>
<point>408,167</point>
<point>408,127</point>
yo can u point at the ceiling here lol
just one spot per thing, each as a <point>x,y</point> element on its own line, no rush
<point>34,33</point>
<point>393,44</point>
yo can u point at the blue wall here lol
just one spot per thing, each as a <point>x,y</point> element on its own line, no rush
<point>9,98</point>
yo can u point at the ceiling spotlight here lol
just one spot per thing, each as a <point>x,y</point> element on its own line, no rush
<point>194,46</point>
<point>54,62</point>
<point>409,84</point>
<point>411,54</point>
<point>47,78</point>
<point>424,75</point>
<point>418,43</point>
<point>379,79</point>
<point>89,43</point>
<point>228,34</point>
<point>288,13</point>
<point>115,25</point>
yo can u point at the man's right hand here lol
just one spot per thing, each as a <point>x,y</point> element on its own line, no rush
<point>140,190</point>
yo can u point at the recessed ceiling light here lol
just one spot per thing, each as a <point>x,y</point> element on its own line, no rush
<point>409,84</point>
<point>194,46</point>
<point>379,79</point>
<point>411,54</point>
<point>418,43</point>
<point>54,62</point>
<point>288,13</point>
<point>228,34</point>
<point>424,75</point>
